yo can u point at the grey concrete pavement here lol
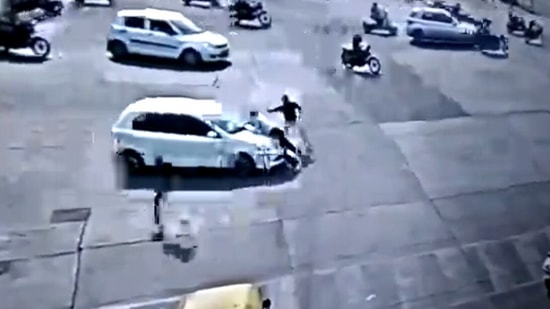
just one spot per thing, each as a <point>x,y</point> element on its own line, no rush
<point>430,188</point>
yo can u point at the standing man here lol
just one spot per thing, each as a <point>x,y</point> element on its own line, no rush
<point>291,112</point>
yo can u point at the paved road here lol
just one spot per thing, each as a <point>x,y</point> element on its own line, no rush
<point>429,191</point>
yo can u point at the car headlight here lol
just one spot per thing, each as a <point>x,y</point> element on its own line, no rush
<point>207,45</point>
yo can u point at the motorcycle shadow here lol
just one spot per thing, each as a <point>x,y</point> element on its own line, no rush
<point>21,58</point>
<point>200,179</point>
<point>170,64</point>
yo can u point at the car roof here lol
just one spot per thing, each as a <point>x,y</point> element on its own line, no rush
<point>151,13</point>
<point>431,10</point>
<point>176,105</point>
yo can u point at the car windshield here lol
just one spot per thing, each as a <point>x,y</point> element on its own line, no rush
<point>187,26</point>
<point>226,125</point>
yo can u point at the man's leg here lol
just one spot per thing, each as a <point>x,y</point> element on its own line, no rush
<point>547,285</point>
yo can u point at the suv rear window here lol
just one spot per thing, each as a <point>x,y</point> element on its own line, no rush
<point>134,22</point>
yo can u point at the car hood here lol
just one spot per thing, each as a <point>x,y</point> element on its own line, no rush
<point>205,37</point>
<point>251,138</point>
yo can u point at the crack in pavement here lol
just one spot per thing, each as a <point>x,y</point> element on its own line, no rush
<point>76,277</point>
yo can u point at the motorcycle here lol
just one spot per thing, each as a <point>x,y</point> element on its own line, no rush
<point>369,63</point>
<point>255,12</point>
<point>516,24</point>
<point>383,24</point>
<point>488,43</point>
<point>15,35</point>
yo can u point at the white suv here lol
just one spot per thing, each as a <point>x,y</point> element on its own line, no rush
<point>433,24</point>
<point>162,33</point>
<point>188,132</point>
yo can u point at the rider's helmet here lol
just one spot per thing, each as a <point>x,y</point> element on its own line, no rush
<point>374,6</point>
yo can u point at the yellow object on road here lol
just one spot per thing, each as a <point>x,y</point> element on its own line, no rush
<point>238,296</point>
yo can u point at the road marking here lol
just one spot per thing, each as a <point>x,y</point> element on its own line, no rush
<point>136,305</point>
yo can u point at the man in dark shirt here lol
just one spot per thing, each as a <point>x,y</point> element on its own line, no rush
<point>289,109</point>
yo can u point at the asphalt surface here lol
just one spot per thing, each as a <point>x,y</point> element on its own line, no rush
<point>430,188</point>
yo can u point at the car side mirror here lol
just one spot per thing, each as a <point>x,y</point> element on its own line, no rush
<point>212,134</point>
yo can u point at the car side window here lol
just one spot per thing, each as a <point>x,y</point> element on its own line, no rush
<point>161,26</point>
<point>194,126</point>
<point>134,22</point>
<point>148,122</point>
<point>443,18</point>
<point>428,16</point>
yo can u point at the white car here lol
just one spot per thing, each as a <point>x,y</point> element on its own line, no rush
<point>188,132</point>
<point>163,33</point>
<point>438,25</point>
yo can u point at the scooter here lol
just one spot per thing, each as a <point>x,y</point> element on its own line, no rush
<point>383,24</point>
<point>257,13</point>
<point>516,24</point>
<point>533,34</point>
<point>371,64</point>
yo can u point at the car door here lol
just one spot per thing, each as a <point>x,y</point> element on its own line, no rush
<point>136,34</point>
<point>446,27</point>
<point>163,38</point>
<point>431,27</point>
<point>148,136</point>
<point>202,149</point>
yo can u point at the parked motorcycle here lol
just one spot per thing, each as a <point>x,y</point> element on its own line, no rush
<point>369,63</point>
<point>255,12</point>
<point>22,35</point>
<point>533,33</point>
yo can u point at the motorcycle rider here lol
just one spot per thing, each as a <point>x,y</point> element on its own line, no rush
<point>378,14</point>
<point>290,152</point>
<point>244,8</point>
<point>534,30</point>
<point>360,50</point>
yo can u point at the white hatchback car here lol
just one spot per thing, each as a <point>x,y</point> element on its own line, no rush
<point>438,25</point>
<point>188,132</point>
<point>167,34</point>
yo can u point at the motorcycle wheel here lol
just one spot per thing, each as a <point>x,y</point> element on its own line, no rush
<point>40,47</point>
<point>374,65</point>
<point>265,20</point>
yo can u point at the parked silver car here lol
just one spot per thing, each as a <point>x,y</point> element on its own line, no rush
<point>438,25</point>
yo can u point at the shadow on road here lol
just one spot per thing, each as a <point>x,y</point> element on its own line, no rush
<point>193,179</point>
<point>11,57</point>
<point>443,46</point>
<point>170,64</point>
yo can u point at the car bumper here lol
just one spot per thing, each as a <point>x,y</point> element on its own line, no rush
<point>268,161</point>
<point>216,55</point>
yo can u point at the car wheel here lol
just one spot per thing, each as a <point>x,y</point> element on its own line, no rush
<point>190,57</point>
<point>417,35</point>
<point>133,161</point>
<point>40,47</point>
<point>118,49</point>
<point>244,165</point>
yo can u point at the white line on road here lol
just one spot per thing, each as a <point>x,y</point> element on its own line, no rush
<point>144,303</point>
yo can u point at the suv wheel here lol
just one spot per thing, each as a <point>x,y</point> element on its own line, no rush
<point>190,57</point>
<point>132,160</point>
<point>118,49</point>
<point>417,35</point>
<point>244,165</point>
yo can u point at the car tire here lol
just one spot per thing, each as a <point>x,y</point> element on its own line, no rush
<point>190,57</point>
<point>244,165</point>
<point>417,35</point>
<point>118,49</point>
<point>132,160</point>
<point>40,47</point>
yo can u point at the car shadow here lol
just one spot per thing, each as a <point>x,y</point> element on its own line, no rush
<point>200,179</point>
<point>443,46</point>
<point>170,64</point>
<point>11,57</point>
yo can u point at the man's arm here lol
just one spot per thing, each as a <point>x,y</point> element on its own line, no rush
<point>276,109</point>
